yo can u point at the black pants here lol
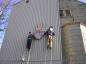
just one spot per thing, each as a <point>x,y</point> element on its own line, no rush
<point>29,41</point>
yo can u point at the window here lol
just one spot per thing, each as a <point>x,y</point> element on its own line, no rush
<point>61,12</point>
<point>68,13</point>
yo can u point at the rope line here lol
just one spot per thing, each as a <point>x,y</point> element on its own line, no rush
<point>51,57</point>
<point>45,56</point>
<point>28,58</point>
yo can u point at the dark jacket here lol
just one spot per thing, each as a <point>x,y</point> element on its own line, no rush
<point>29,41</point>
<point>48,32</point>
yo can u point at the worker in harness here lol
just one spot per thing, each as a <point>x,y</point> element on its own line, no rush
<point>29,40</point>
<point>28,46</point>
<point>50,35</point>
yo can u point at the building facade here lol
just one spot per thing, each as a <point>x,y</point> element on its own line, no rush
<point>71,15</point>
<point>66,18</point>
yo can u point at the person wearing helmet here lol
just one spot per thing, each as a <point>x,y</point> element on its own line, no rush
<point>29,40</point>
<point>50,35</point>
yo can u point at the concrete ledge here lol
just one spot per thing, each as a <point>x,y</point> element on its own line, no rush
<point>70,24</point>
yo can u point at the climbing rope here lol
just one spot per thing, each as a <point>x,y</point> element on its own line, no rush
<point>28,57</point>
<point>25,57</point>
<point>45,56</point>
<point>51,57</point>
